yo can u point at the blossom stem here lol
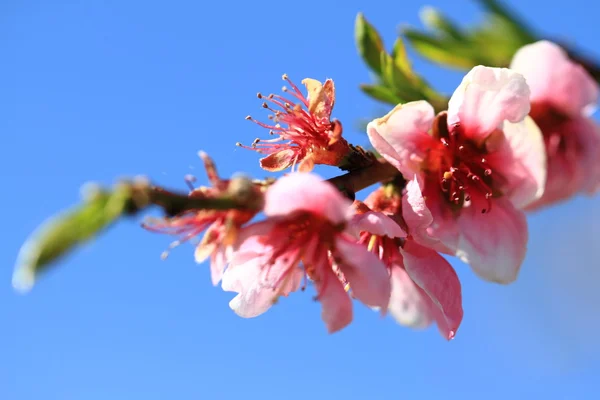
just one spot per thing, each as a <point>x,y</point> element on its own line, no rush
<point>173,203</point>
<point>144,194</point>
<point>359,179</point>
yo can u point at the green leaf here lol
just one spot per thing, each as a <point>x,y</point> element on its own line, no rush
<point>381,93</point>
<point>435,20</point>
<point>62,233</point>
<point>519,27</point>
<point>397,80</point>
<point>368,42</point>
<point>400,57</point>
<point>448,53</point>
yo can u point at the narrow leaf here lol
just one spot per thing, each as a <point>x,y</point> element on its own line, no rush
<point>66,231</point>
<point>368,42</point>
<point>381,93</point>
<point>439,51</point>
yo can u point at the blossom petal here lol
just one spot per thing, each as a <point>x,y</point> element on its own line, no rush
<point>493,244</point>
<point>416,214</point>
<point>554,79</point>
<point>258,283</point>
<point>487,97</point>
<point>444,226</point>
<point>204,250</point>
<point>218,262</point>
<point>307,192</point>
<point>579,171</point>
<point>321,97</point>
<point>438,279</point>
<point>401,137</point>
<point>367,275</point>
<point>336,306</point>
<point>279,161</point>
<point>254,297</point>
<point>376,223</point>
<point>520,161</point>
<point>407,304</point>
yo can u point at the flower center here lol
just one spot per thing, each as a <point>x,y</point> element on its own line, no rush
<point>300,129</point>
<point>384,247</point>
<point>464,174</point>
<point>302,238</point>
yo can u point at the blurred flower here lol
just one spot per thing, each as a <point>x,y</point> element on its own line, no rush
<point>563,97</point>
<point>425,288</point>
<point>305,133</point>
<point>305,236</point>
<point>220,226</point>
<point>478,164</point>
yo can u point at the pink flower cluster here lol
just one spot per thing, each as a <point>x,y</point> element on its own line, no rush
<point>511,140</point>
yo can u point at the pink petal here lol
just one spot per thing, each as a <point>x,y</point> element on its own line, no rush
<point>278,161</point>
<point>520,161</point>
<point>218,261</point>
<point>367,275</point>
<point>258,283</point>
<point>444,226</point>
<point>336,306</point>
<point>438,279</point>
<point>416,214</point>
<point>493,244</point>
<point>321,97</point>
<point>407,304</point>
<point>254,297</point>
<point>251,234</point>
<point>578,172</point>
<point>376,223</point>
<point>307,192</point>
<point>553,78</point>
<point>204,250</point>
<point>307,164</point>
<point>486,98</point>
<point>401,137</point>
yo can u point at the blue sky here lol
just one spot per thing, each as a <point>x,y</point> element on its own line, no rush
<point>98,90</point>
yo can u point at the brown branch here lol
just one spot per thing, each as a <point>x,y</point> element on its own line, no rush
<point>359,179</point>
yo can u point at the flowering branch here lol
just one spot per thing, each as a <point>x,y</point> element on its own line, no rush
<point>507,141</point>
<point>102,208</point>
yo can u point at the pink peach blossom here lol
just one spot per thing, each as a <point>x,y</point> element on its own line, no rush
<point>220,226</point>
<point>478,164</point>
<point>425,288</point>
<point>305,133</point>
<point>305,236</point>
<point>563,97</point>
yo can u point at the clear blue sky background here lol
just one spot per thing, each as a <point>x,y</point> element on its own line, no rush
<point>96,90</point>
